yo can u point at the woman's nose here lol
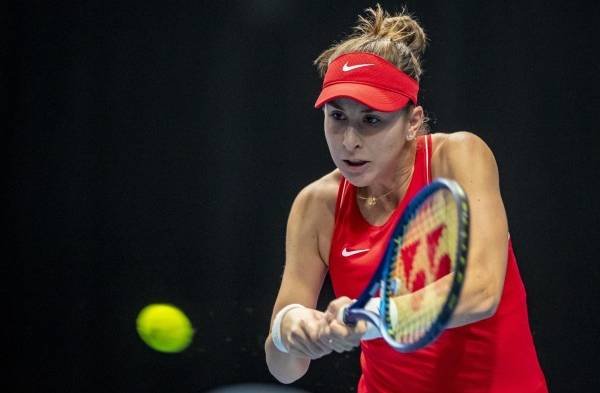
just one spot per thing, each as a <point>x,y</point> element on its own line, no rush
<point>351,139</point>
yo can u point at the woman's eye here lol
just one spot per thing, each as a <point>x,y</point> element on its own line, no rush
<point>337,115</point>
<point>371,120</point>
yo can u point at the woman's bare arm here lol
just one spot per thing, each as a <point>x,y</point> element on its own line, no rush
<point>301,283</point>
<point>465,158</point>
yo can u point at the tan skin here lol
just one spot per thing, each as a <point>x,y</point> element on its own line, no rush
<point>375,151</point>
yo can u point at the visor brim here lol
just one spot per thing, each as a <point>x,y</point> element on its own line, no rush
<point>375,98</point>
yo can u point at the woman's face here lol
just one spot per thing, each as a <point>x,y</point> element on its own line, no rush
<point>365,144</point>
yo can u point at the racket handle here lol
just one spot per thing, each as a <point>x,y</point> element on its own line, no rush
<point>372,331</point>
<point>344,316</point>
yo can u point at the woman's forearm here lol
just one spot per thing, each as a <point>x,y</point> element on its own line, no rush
<point>478,299</point>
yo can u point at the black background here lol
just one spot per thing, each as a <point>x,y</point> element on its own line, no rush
<point>159,146</point>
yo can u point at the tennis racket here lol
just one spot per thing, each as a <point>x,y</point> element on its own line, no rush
<point>422,271</point>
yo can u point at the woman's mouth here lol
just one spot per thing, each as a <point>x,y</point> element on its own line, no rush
<point>355,163</point>
<point>355,166</point>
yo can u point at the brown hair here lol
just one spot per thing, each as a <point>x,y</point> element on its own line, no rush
<point>397,38</point>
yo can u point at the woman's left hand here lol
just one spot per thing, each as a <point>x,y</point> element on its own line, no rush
<point>341,337</point>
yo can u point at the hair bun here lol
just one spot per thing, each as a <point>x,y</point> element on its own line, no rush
<point>397,38</point>
<point>401,28</point>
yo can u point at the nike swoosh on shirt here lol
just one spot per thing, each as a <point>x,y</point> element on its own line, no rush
<point>348,253</point>
<point>347,68</point>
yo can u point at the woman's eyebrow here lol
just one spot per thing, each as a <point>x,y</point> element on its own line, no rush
<point>337,106</point>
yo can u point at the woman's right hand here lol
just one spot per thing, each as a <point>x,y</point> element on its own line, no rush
<point>305,333</point>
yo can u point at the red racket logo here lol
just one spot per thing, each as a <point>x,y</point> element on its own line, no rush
<point>420,266</point>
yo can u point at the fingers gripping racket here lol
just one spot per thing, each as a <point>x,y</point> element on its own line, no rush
<point>422,271</point>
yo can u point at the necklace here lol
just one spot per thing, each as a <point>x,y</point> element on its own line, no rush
<point>372,200</point>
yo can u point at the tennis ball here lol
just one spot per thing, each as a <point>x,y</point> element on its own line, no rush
<point>164,328</point>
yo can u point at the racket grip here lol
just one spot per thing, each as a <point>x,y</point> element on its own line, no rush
<point>344,316</point>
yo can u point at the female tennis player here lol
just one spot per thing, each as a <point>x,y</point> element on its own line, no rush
<point>379,141</point>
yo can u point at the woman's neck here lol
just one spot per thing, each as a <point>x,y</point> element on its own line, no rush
<point>391,187</point>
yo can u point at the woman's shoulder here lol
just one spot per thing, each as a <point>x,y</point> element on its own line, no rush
<point>321,194</point>
<point>458,149</point>
<point>443,141</point>
<point>312,215</point>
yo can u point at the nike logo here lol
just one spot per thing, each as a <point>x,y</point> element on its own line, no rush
<point>348,253</point>
<point>347,68</point>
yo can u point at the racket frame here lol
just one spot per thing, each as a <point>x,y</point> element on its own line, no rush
<point>378,283</point>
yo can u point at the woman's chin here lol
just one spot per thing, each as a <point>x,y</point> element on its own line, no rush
<point>357,180</point>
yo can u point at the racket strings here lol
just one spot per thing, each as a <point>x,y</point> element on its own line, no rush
<point>424,256</point>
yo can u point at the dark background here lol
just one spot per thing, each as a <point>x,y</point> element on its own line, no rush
<point>159,146</point>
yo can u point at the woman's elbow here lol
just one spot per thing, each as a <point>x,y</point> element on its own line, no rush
<point>285,379</point>
<point>284,368</point>
<point>490,300</point>
<point>486,284</point>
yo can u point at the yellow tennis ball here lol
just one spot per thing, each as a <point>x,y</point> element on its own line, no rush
<point>164,328</point>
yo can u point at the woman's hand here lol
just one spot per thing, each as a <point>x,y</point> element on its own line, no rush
<point>341,337</point>
<point>305,333</point>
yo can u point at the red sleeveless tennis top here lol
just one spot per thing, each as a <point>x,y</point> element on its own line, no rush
<point>495,355</point>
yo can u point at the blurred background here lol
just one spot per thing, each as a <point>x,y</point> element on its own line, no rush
<point>159,145</point>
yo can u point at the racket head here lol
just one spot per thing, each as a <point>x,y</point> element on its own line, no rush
<point>426,257</point>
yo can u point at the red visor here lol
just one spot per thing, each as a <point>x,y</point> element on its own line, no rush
<point>370,80</point>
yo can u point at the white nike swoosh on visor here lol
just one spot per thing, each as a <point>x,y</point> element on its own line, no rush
<point>347,68</point>
<point>346,253</point>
